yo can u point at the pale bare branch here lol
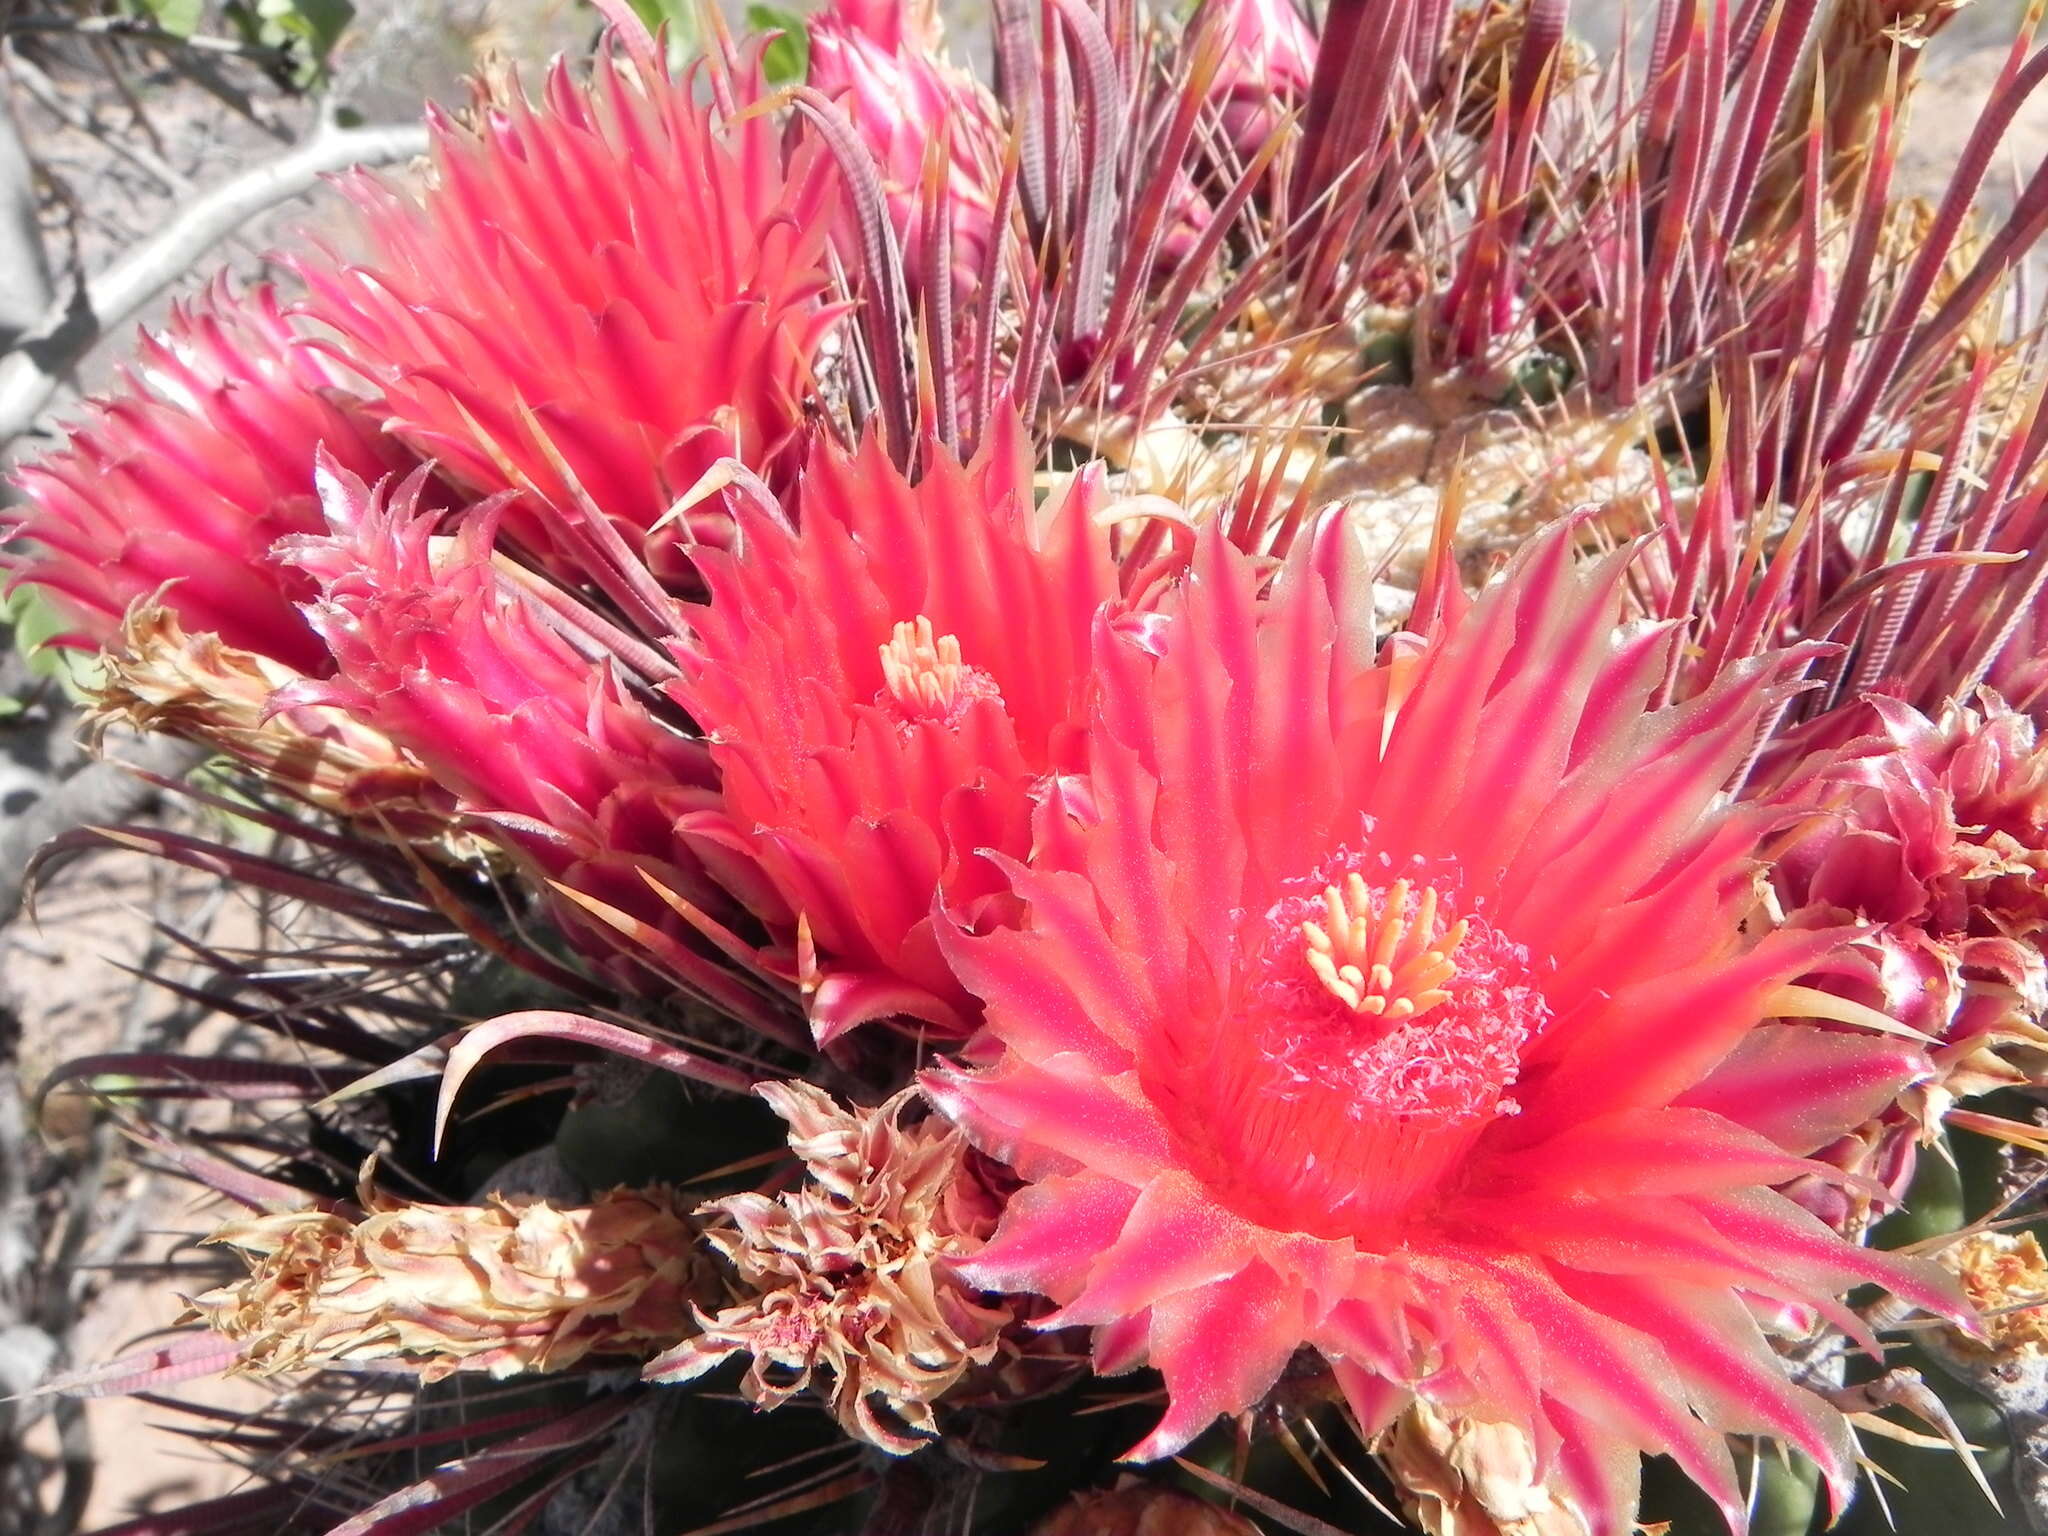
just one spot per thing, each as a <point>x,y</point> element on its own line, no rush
<point>24,263</point>
<point>30,375</point>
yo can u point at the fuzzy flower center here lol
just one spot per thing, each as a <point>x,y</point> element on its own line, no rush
<point>1376,1030</point>
<point>924,677</point>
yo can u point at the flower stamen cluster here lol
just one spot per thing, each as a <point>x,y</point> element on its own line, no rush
<point>1386,961</point>
<point>923,675</point>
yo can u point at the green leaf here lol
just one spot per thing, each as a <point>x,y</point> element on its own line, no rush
<point>35,624</point>
<point>180,18</point>
<point>248,29</point>
<point>680,17</point>
<point>787,60</point>
<point>317,25</point>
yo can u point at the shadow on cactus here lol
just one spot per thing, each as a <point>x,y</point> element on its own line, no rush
<point>1278,776</point>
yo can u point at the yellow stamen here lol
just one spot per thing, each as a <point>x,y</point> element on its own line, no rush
<point>922,670</point>
<point>1392,965</point>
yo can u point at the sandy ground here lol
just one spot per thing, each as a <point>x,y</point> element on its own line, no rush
<point>65,970</point>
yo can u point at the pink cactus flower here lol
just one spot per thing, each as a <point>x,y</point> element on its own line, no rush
<point>902,95</point>
<point>184,478</point>
<point>440,647</point>
<point>1399,1007</point>
<point>894,25</point>
<point>597,296</point>
<point>1268,59</point>
<point>885,685</point>
<point>1932,836</point>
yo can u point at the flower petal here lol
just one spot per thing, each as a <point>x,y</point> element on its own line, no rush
<point>1220,1347</point>
<point>1023,1112</point>
<point>1800,1085</point>
<point>1052,1233</point>
<point>1175,1239</point>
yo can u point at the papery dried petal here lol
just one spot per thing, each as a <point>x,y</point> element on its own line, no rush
<point>1464,1477</point>
<point>844,1286</point>
<point>2005,1275</point>
<point>157,677</point>
<point>513,1286</point>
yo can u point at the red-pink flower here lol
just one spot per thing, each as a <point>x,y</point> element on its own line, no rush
<point>596,297</point>
<point>1401,1009</point>
<point>884,684</point>
<point>902,95</point>
<point>890,24</point>
<point>1930,835</point>
<point>188,475</point>
<point>446,650</point>
<point>1268,58</point>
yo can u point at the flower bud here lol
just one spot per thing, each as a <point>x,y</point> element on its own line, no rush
<point>1269,57</point>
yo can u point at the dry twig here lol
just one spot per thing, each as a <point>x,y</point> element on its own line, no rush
<point>30,375</point>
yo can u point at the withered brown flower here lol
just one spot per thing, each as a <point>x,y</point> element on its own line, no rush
<point>515,1285</point>
<point>163,677</point>
<point>2004,1274</point>
<point>1464,1477</point>
<point>847,1275</point>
